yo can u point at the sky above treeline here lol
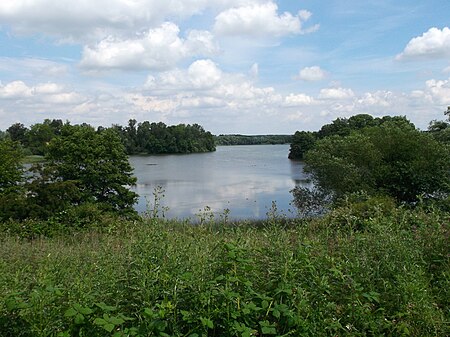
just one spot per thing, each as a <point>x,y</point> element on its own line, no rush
<point>233,66</point>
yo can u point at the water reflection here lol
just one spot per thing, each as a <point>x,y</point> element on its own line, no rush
<point>244,179</point>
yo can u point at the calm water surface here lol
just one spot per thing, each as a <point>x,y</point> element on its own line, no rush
<point>243,179</point>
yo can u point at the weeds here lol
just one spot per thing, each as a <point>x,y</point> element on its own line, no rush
<point>385,274</point>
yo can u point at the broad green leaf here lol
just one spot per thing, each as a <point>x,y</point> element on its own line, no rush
<point>70,312</point>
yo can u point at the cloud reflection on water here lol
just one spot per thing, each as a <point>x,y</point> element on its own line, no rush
<point>244,179</point>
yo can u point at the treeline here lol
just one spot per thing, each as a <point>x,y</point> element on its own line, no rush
<point>137,138</point>
<point>303,141</point>
<point>252,140</point>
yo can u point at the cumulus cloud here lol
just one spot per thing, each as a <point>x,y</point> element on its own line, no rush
<point>298,100</point>
<point>73,20</point>
<point>435,92</point>
<point>159,48</point>
<point>336,93</point>
<point>439,90</point>
<point>433,43</point>
<point>201,75</point>
<point>15,90</point>
<point>92,20</point>
<point>380,98</point>
<point>261,20</point>
<point>44,92</point>
<point>204,84</point>
<point>310,74</point>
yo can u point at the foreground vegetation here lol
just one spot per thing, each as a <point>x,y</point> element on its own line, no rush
<point>363,270</point>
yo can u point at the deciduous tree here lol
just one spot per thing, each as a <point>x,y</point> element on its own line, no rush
<point>393,159</point>
<point>94,162</point>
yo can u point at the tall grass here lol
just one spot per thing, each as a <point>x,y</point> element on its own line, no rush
<point>342,275</point>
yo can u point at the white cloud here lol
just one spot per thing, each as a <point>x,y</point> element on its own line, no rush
<point>379,98</point>
<point>446,70</point>
<point>439,90</point>
<point>433,43</point>
<point>48,88</point>
<point>53,93</point>
<point>159,48</point>
<point>336,93</point>
<point>204,74</point>
<point>15,90</point>
<point>314,73</point>
<point>203,84</point>
<point>201,75</point>
<point>84,20</point>
<point>298,100</point>
<point>260,20</point>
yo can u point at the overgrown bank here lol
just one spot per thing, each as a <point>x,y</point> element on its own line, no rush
<point>355,272</point>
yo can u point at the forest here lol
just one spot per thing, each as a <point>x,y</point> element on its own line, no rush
<point>368,255</point>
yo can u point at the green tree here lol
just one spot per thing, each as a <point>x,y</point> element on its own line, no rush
<point>393,159</point>
<point>440,130</point>
<point>17,132</point>
<point>95,163</point>
<point>11,168</point>
<point>302,142</point>
<point>12,198</point>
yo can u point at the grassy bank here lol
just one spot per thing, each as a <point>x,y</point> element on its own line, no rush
<point>387,274</point>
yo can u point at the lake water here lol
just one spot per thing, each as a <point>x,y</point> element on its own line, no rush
<point>243,179</point>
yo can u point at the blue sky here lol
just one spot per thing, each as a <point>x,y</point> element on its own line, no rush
<point>233,66</point>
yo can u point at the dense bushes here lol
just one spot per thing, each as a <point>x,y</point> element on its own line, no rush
<point>363,272</point>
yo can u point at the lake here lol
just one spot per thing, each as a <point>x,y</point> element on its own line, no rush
<point>244,179</point>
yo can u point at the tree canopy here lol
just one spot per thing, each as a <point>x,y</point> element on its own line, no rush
<point>158,138</point>
<point>10,165</point>
<point>392,158</point>
<point>82,167</point>
<point>137,138</point>
<point>96,162</point>
<point>303,141</point>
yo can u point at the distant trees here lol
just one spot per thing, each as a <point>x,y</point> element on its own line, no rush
<point>252,140</point>
<point>137,138</point>
<point>158,138</point>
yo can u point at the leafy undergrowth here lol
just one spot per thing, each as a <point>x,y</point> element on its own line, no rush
<point>342,275</point>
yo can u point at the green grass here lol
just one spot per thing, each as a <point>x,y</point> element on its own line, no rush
<point>386,275</point>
